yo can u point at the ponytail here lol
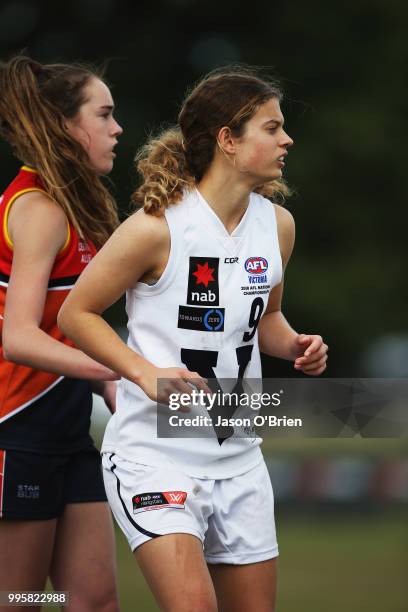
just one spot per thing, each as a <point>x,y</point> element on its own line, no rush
<point>163,166</point>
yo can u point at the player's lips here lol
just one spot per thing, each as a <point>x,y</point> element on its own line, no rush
<point>281,159</point>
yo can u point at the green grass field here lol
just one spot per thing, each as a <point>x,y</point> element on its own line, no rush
<point>341,563</point>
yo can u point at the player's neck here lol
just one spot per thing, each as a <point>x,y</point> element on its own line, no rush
<point>227,197</point>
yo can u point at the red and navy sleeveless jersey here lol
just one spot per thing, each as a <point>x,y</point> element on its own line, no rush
<point>41,411</point>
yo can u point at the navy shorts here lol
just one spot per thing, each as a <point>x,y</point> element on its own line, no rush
<point>38,487</point>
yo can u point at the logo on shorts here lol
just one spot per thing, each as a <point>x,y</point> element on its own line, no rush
<point>143,502</point>
<point>201,319</point>
<point>203,288</point>
<point>25,491</point>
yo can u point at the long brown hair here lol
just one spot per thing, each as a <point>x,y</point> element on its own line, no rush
<point>35,101</point>
<point>179,157</point>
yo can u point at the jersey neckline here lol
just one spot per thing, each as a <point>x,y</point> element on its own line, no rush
<point>216,221</point>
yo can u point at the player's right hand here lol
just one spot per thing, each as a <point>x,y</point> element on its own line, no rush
<point>160,383</point>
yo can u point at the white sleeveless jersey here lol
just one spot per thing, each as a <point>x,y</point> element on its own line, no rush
<point>202,315</point>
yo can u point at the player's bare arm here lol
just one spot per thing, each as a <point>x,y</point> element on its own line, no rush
<point>35,246</point>
<point>276,336</point>
<point>137,251</point>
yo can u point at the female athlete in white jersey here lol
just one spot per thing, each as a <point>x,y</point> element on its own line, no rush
<point>202,264</point>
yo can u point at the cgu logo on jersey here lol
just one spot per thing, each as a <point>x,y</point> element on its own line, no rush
<point>256,268</point>
<point>203,288</point>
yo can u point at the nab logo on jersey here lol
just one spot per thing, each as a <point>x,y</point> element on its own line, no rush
<point>203,288</point>
<point>256,265</point>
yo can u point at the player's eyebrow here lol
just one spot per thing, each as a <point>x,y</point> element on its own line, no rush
<point>276,121</point>
<point>109,107</point>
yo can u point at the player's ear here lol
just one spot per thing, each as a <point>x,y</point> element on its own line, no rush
<point>226,141</point>
<point>68,125</point>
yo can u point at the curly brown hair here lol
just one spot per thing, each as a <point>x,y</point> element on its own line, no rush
<point>35,101</point>
<point>179,157</point>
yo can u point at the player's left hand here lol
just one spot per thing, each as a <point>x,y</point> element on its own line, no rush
<point>311,354</point>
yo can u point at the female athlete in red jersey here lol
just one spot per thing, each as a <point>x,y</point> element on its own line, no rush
<point>197,511</point>
<point>54,519</point>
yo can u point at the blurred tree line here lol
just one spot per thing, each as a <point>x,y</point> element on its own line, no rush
<point>343,66</point>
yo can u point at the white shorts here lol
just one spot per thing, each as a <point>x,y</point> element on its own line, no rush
<point>233,517</point>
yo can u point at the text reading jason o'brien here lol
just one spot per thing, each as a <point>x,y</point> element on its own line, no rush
<point>227,410</point>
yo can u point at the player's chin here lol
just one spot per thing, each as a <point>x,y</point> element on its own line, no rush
<point>104,167</point>
<point>274,174</point>
<point>278,173</point>
<point>268,177</point>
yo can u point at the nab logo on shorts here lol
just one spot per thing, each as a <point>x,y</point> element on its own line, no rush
<point>256,265</point>
<point>143,502</point>
<point>203,288</point>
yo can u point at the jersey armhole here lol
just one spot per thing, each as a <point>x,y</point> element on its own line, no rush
<point>276,239</point>
<point>6,233</point>
<point>64,247</point>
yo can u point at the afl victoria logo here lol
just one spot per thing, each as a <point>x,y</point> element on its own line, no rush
<point>256,265</point>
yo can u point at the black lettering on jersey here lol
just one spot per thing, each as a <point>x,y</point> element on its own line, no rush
<point>201,319</point>
<point>257,307</point>
<point>204,362</point>
<point>203,288</point>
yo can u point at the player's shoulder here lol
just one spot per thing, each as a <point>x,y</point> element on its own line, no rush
<point>142,222</point>
<point>286,231</point>
<point>282,214</point>
<point>141,231</point>
<point>35,214</point>
<point>284,219</point>
<point>35,204</point>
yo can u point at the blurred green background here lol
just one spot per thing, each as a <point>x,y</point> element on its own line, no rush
<point>344,69</point>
